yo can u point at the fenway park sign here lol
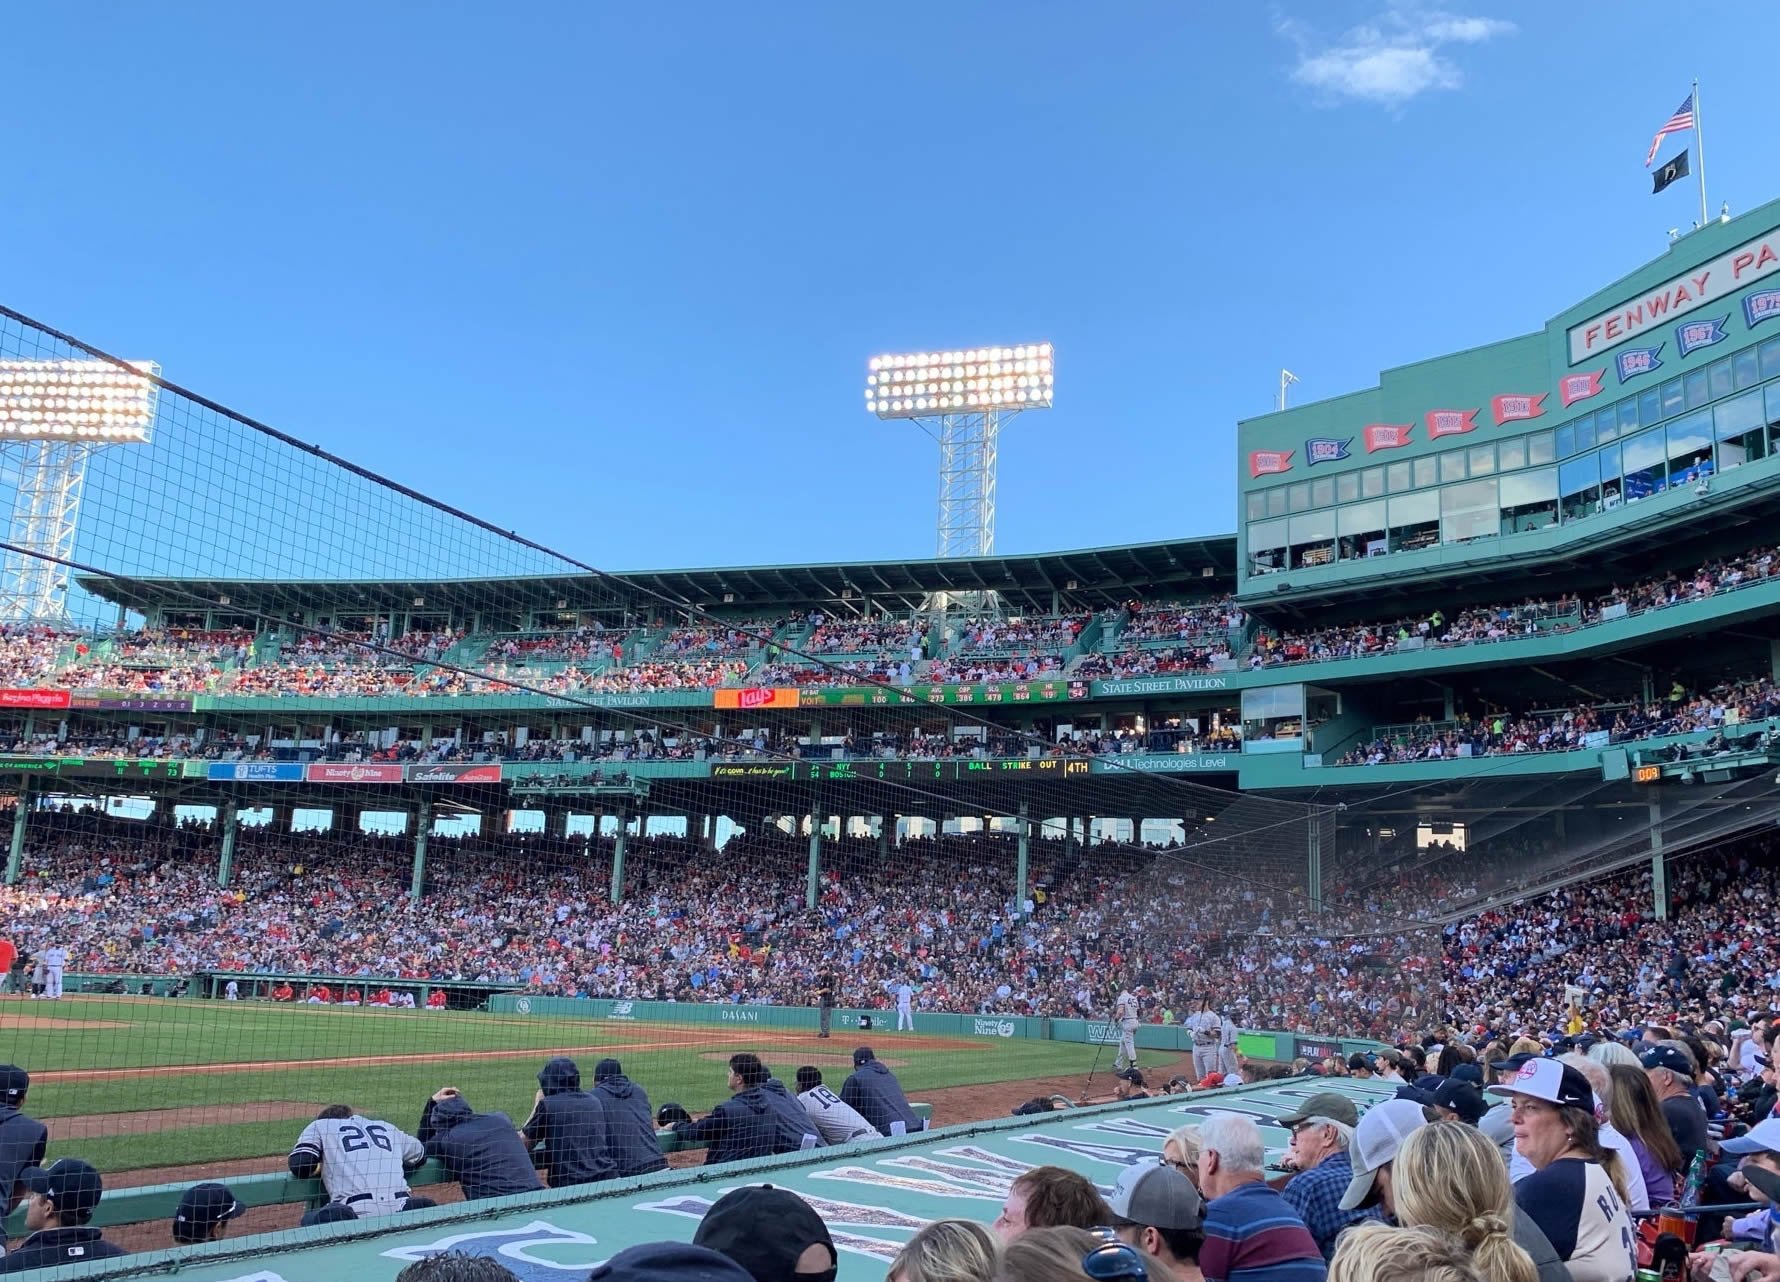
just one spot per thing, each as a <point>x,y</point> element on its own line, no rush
<point>1707,283</point>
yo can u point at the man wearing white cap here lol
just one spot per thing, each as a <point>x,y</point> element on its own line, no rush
<point>1571,1193</point>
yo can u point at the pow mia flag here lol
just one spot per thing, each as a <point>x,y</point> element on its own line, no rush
<point>1673,169</point>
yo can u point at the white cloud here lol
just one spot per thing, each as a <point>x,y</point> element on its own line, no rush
<point>1392,59</point>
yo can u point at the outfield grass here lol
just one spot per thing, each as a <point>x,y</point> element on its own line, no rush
<point>159,1033</point>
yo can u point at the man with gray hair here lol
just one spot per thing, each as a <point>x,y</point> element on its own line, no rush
<point>1250,1231</point>
<point>1637,1196</point>
<point>1669,1066</point>
<point>1322,1128</point>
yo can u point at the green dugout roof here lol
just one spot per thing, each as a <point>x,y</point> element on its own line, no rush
<point>873,1196</point>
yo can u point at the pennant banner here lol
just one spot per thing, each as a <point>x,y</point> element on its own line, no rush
<point>1697,334</point>
<point>1325,449</point>
<point>1638,360</point>
<point>1451,422</point>
<point>1268,462</point>
<point>1760,306</point>
<point>1386,436</point>
<point>1579,387</point>
<point>1516,406</point>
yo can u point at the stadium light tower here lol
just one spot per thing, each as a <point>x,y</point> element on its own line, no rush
<point>54,415</point>
<point>962,399</point>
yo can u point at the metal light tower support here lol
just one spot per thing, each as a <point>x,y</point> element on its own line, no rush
<point>962,398</point>
<point>968,446</point>
<point>45,512</point>
<point>54,416</point>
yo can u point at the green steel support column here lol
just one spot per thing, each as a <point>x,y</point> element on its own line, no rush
<point>623,817</point>
<point>15,856</point>
<point>1313,872</point>
<point>1659,873</point>
<point>1021,870</point>
<point>231,823</point>
<point>813,875</point>
<point>885,824</point>
<point>423,827</point>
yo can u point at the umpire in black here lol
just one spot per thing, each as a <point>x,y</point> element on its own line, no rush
<point>22,1139</point>
<point>569,1127</point>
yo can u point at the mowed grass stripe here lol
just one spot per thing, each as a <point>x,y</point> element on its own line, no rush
<point>187,1033</point>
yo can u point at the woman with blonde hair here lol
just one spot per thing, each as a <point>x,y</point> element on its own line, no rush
<point>1448,1176</point>
<point>1377,1252</point>
<point>948,1251</point>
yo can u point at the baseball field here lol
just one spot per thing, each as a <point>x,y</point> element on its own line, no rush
<point>137,1083</point>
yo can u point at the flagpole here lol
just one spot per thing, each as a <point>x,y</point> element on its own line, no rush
<point>1699,141</point>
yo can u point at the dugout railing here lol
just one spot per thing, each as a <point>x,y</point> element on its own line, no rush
<point>147,1203</point>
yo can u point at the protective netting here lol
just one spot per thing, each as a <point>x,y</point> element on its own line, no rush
<point>328,797</point>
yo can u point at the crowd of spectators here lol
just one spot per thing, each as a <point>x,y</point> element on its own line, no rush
<point>1498,622</point>
<point>700,923</point>
<point>1136,662</point>
<point>884,637</point>
<point>1207,623</point>
<point>1000,636</point>
<point>572,645</point>
<point>30,654</point>
<point>974,671</point>
<point>1723,708</point>
<point>717,642</point>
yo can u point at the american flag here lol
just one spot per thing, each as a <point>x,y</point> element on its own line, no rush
<point>1680,122</point>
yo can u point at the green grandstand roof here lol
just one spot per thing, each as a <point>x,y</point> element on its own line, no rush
<point>1082,578</point>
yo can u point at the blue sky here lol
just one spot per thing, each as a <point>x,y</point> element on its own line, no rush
<point>609,275</point>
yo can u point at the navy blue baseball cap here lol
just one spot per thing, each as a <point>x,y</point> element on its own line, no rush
<point>1467,1073</point>
<point>669,1262</point>
<point>72,1186</point>
<point>204,1206</point>
<point>1667,1057</point>
<point>14,1082</point>
<point>862,1055</point>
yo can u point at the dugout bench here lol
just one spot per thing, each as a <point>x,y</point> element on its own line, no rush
<point>149,1202</point>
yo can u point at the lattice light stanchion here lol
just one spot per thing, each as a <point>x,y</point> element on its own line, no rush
<point>54,415</point>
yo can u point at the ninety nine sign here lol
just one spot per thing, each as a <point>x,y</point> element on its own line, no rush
<point>34,698</point>
<point>338,772</point>
<point>1707,283</point>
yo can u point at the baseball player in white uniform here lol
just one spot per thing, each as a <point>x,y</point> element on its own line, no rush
<point>1125,1016</point>
<point>904,992</point>
<point>1207,1029</point>
<point>55,960</point>
<point>363,1163</point>
<point>837,1122</point>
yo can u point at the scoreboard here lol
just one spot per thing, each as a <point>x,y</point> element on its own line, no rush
<point>903,771</point>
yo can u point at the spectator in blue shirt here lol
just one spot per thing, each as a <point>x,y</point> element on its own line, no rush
<point>1251,1234</point>
<point>1322,1129</point>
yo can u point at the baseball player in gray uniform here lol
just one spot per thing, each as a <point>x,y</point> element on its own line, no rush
<point>363,1164</point>
<point>1207,1028</point>
<point>1125,1016</point>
